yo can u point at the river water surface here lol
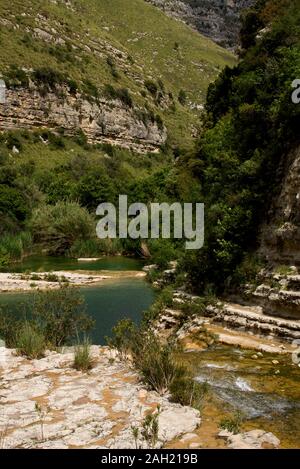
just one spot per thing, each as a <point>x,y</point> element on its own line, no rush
<point>107,302</point>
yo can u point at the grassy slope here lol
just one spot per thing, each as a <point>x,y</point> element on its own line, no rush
<point>131,26</point>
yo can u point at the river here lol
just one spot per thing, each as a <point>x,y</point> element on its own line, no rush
<point>107,302</point>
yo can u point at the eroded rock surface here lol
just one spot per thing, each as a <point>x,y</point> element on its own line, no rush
<point>47,404</point>
<point>216,19</point>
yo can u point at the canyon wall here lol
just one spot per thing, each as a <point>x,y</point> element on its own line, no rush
<point>217,19</point>
<point>102,121</point>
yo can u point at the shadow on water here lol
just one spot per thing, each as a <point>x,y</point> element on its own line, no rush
<point>48,263</point>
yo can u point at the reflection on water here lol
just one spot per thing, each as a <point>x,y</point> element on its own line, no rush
<point>48,263</point>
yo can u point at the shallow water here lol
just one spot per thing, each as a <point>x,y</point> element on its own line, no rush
<point>237,382</point>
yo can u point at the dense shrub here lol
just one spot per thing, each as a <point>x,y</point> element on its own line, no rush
<point>12,203</point>
<point>48,77</point>
<point>182,98</point>
<point>251,125</point>
<point>61,315</point>
<point>59,226</point>
<point>82,357</point>
<point>50,318</point>
<point>30,341</point>
<point>16,77</point>
<point>186,391</point>
<point>152,87</point>
<point>122,94</point>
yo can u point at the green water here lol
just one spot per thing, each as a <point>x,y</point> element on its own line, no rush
<point>47,264</point>
<point>107,302</point>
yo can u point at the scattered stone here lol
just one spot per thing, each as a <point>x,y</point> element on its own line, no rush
<point>254,439</point>
<point>194,445</point>
<point>275,362</point>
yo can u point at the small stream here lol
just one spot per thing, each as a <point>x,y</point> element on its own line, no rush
<point>265,398</point>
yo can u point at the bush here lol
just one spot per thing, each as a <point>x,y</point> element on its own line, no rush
<point>13,248</point>
<point>162,301</point>
<point>16,77</point>
<point>162,252</point>
<point>186,391</point>
<point>122,94</point>
<point>156,363</point>
<point>13,203</point>
<point>182,98</point>
<point>9,327</point>
<point>232,424</point>
<point>124,334</point>
<point>61,315</point>
<point>82,358</point>
<point>152,87</point>
<point>30,341</point>
<point>49,77</point>
<point>59,226</point>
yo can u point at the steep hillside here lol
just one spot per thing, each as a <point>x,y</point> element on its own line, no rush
<point>219,20</point>
<point>121,71</point>
<point>248,158</point>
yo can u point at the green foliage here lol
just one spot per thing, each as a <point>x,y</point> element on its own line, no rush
<point>121,94</point>
<point>150,429</point>
<point>30,341</point>
<point>123,337</point>
<point>14,247</point>
<point>16,77</point>
<point>59,226</point>
<point>9,327</point>
<point>187,392</point>
<point>163,300</point>
<point>82,357</point>
<point>182,98</point>
<point>49,78</point>
<point>12,203</point>
<point>251,124</point>
<point>162,252</point>
<point>61,315</point>
<point>156,363</point>
<point>152,87</point>
<point>50,319</point>
<point>232,424</point>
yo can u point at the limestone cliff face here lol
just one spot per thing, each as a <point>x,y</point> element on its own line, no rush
<point>280,236</point>
<point>217,19</point>
<point>102,121</point>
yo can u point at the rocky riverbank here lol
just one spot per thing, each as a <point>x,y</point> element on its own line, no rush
<point>13,282</point>
<point>47,404</point>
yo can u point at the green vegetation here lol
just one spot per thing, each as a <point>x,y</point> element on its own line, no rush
<point>82,357</point>
<point>251,124</point>
<point>156,361</point>
<point>50,193</point>
<point>58,226</point>
<point>30,341</point>
<point>50,319</point>
<point>92,45</point>
<point>148,433</point>
<point>232,424</point>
